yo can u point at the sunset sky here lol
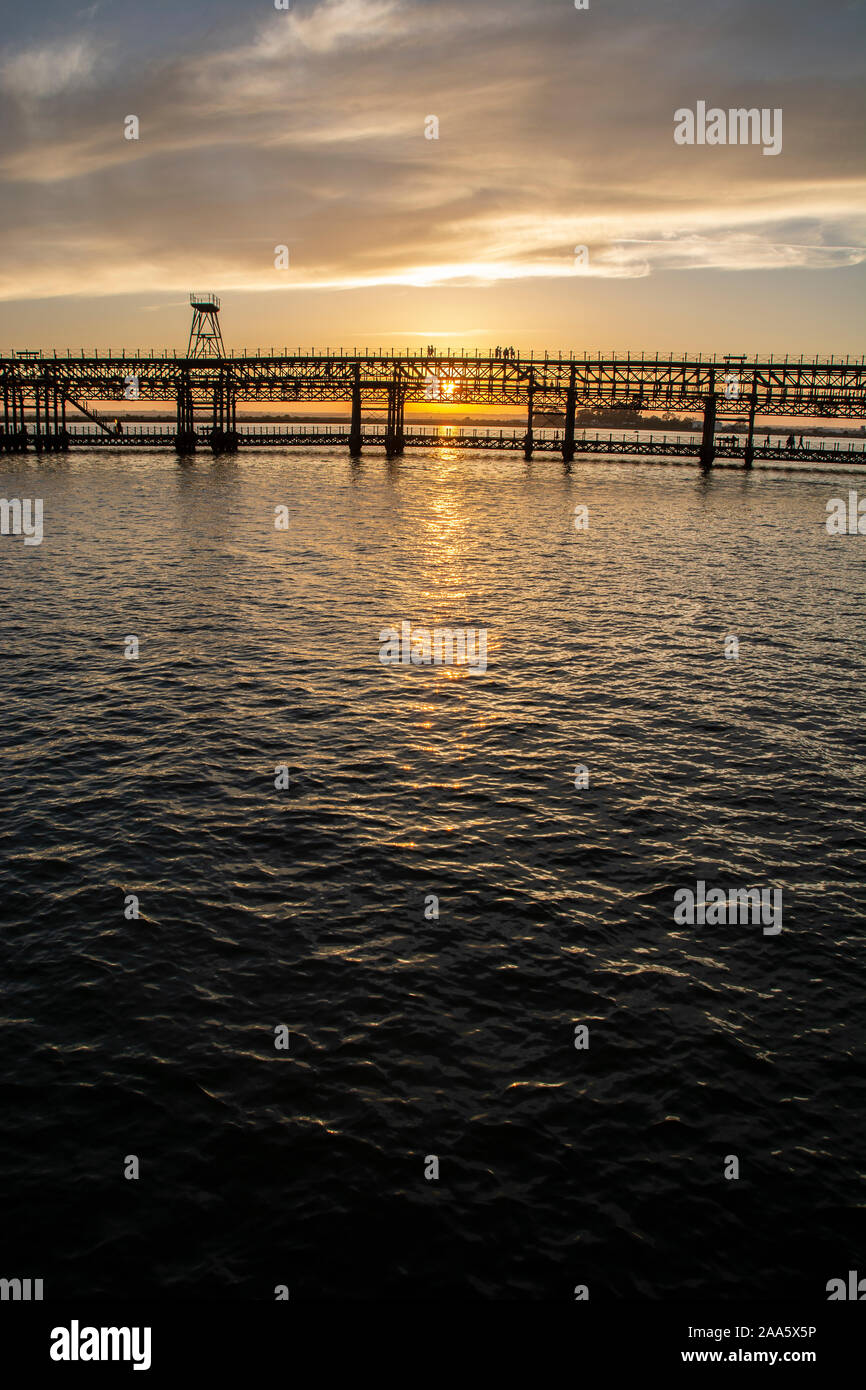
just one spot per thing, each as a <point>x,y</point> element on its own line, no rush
<point>261,127</point>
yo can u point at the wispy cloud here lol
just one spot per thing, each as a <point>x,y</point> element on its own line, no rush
<point>333,25</point>
<point>49,70</point>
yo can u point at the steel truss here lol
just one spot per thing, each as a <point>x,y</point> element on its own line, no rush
<point>43,386</point>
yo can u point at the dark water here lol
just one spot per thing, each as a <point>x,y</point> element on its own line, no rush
<point>413,1036</point>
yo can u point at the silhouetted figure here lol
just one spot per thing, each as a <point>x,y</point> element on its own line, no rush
<point>800,442</point>
<point>790,441</point>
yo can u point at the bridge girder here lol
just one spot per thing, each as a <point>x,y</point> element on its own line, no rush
<point>828,390</point>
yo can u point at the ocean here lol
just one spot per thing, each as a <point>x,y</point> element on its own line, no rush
<point>456,877</point>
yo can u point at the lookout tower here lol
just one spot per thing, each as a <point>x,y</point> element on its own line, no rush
<point>205,338</point>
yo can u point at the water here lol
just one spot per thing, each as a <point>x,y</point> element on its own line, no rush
<point>413,1036</point>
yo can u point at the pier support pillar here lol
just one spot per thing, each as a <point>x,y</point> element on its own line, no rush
<point>749,455</point>
<point>185,440</point>
<point>394,440</point>
<point>56,428</point>
<point>355,428</point>
<point>38,442</point>
<point>231,414</point>
<point>708,437</point>
<point>50,435</point>
<point>217,433</point>
<point>7,443</point>
<point>15,430</point>
<point>568,436</point>
<point>224,434</point>
<point>22,423</point>
<point>528,437</point>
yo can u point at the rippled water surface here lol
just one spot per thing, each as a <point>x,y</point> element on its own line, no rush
<point>411,1035</point>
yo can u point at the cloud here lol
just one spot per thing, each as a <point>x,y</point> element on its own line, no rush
<point>732,250</point>
<point>334,24</point>
<point>50,70</point>
<point>307,128</point>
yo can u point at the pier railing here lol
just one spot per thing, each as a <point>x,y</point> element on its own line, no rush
<point>839,453</point>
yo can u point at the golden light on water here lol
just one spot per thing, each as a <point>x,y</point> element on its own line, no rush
<point>445,543</point>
